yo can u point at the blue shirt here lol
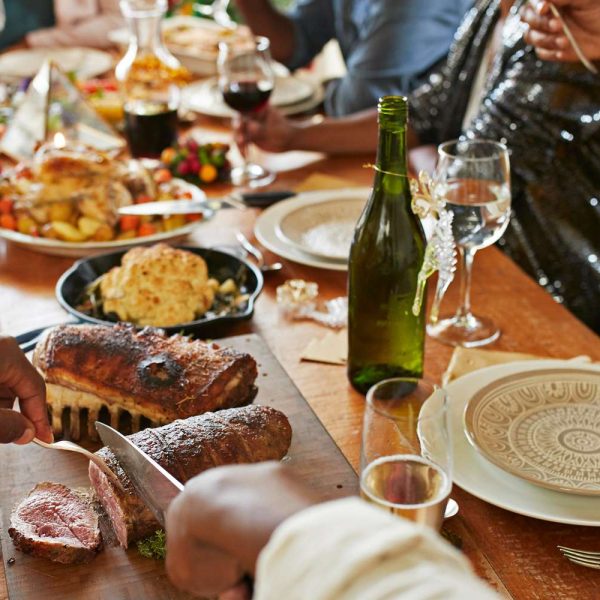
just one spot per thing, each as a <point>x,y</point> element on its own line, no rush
<point>23,16</point>
<point>389,45</point>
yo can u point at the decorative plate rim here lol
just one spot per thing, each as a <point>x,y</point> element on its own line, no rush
<point>471,436</point>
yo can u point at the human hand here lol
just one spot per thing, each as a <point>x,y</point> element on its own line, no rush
<point>546,33</point>
<point>18,378</point>
<point>268,129</point>
<point>218,525</point>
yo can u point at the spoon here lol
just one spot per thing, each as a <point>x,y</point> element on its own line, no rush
<point>257,254</point>
<point>451,509</point>
<point>72,447</point>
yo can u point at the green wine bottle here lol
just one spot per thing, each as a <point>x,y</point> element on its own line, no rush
<point>385,339</point>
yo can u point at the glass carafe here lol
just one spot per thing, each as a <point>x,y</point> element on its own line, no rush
<point>150,79</point>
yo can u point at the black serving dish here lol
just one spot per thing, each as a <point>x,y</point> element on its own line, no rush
<point>71,286</point>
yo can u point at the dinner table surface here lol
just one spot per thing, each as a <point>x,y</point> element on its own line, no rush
<point>516,554</point>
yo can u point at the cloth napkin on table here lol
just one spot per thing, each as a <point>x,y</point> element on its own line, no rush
<point>465,360</point>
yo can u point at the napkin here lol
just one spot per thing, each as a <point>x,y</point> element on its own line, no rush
<point>332,349</point>
<point>465,360</point>
<point>321,181</point>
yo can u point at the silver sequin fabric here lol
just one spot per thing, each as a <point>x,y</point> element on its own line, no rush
<point>548,114</point>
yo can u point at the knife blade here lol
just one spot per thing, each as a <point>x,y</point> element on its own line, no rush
<point>155,486</point>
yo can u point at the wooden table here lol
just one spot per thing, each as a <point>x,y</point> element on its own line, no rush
<point>516,554</point>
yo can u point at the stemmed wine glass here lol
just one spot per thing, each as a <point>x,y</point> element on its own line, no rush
<point>246,81</point>
<point>473,177</point>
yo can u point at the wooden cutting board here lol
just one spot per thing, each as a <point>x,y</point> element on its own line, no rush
<point>116,574</point>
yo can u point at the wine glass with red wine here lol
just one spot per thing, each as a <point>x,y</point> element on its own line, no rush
<point>246,81</point>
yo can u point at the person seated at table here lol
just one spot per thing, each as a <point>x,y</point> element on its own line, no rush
<point>546,33</point>
<point>389,46</point>
<point>61,23</point>
<point>494,86</point>
<point>260,520</point>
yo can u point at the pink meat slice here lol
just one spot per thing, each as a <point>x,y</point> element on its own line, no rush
<point>57,523</point>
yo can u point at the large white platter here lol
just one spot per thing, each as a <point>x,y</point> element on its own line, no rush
<point>267,225</point>
<point>79,249</point>
<point>84,62</point>
<point>478,476</point>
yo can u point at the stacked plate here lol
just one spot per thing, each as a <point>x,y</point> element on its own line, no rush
<point>526,438</point>
<point>291,95</point>
<point>313,228</point>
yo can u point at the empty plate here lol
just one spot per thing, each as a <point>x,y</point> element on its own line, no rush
<point>542,426</point>
<point>323,229</point>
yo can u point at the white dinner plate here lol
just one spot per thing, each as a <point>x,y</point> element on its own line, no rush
<point>79,249</point>
<point>323,229</point>
<point>478,476</point>
<point>291,95</point>
<point>84,62</point>
<point>266,225</point>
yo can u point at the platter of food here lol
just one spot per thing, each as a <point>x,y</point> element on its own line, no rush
<point>194,290</point>
<point>132,379</point>
<point>65,202</point>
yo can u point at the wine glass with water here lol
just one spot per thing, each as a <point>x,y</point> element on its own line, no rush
<point>406,454</point>
<point>473,177</point>
<point>246,81</point>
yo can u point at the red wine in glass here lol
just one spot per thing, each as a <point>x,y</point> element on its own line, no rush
<point>247,96</point>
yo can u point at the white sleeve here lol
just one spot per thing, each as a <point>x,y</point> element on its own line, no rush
<point>348,550</point>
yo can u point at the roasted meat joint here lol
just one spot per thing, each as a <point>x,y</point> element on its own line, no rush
<point>144,373</point>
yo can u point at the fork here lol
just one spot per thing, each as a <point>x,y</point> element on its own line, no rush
<point>257,254</point>
<point>72,447</point>
<point>584,558</point>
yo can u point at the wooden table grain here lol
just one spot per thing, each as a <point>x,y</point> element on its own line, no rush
<point>515,554</point>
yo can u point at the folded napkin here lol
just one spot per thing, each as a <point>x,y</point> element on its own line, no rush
<point>322,181</point>
<point>332,349</point>
<point>465,360</point>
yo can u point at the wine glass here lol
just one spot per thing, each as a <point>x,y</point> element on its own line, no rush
<point>246,81</point>
<point>473,177</point>
<point>406,454</point>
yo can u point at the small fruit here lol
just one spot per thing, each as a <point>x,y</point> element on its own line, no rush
<point>208,173</point>
<point>143,198</point>
<point>167,156</point>
<point>162,176</point>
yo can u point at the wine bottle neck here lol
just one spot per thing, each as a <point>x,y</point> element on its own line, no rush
<point>391,150</point>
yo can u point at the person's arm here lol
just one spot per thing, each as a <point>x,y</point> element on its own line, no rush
<point>345,549</point>
<point>19,379</point>
<point>265,20</point>
<point>91,32</point>
<point>353,134</point>
<point>546,34</point>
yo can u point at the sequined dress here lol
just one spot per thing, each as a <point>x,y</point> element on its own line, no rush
<point>549,116</point>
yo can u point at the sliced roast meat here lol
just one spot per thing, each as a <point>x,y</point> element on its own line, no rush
<point>185,448</point>
<point>57,523</point>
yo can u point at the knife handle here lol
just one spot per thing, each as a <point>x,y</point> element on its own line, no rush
<point>264,199</point>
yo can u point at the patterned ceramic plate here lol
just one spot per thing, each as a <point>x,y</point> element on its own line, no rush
<point>543,426</point>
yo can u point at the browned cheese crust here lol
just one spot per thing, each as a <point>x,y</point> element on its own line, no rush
<point>185,448</point>
<point>161,377</point>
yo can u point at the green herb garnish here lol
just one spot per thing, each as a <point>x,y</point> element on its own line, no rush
<point>153,546</point>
